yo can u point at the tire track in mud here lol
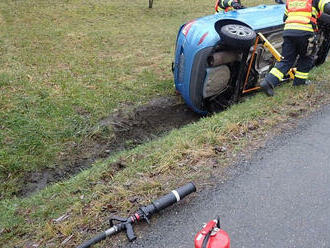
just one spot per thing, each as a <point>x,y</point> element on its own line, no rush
<point>124,129</point>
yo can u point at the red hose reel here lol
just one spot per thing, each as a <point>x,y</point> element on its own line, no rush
<point>211,236</point>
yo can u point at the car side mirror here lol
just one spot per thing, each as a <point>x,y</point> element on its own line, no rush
<point>279,1</point>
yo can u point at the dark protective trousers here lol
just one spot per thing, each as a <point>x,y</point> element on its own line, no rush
<point>293,47</point>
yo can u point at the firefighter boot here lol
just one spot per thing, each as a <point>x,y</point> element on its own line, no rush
<point>267,87</point>
<point>299,81</point>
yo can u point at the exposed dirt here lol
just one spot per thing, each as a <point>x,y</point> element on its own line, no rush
<point>124,129</point>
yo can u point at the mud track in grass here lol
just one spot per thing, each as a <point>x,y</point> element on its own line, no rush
<point>124,129</point>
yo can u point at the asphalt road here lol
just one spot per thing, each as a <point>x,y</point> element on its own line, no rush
<point>281,198</point>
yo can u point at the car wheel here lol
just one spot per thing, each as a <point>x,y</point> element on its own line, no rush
<point>237,35</point>
<point>323,52</point>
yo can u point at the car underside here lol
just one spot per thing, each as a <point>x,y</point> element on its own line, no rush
<point>233,60</point>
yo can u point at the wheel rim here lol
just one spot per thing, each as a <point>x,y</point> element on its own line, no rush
<point>239,30</point>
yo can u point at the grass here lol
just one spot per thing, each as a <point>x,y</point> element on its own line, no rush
<point>190,153</point>
<point>67,64</point>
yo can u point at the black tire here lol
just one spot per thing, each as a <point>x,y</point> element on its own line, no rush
<point>198,72</point>
<point>323,52</point>
<point>237,35</point>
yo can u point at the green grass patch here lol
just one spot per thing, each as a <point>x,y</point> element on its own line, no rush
<point>67,64</point>
<point>186,154</point>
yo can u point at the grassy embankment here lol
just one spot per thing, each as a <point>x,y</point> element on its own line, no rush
<point>191,153</point>
<point>53,118</point>
<point>67,64</point>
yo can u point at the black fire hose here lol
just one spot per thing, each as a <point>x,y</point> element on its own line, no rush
<point>118,224</point>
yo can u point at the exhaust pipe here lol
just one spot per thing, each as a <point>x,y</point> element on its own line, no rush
<point>221,58</point>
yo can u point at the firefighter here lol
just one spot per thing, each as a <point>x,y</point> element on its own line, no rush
<point>300,19</point>
<point>227,5</point>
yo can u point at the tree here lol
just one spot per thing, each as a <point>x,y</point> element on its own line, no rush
<point>150,3</point>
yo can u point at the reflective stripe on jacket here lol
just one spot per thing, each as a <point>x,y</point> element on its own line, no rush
<point>300,15</point>
<point>321,5</point>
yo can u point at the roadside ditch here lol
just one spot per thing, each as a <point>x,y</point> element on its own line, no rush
<point>126,128</point>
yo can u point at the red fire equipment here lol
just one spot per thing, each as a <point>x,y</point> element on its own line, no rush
<point>211,236</point>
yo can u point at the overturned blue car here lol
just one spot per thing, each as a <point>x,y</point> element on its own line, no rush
<point>219,57</point>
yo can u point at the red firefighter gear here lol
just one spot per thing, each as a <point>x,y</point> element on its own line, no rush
<point>300,15</point>
<point>299,41</point>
